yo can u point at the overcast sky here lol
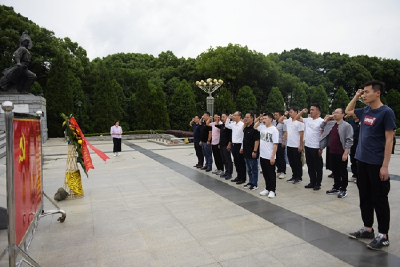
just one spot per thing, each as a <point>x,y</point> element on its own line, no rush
<point>190,27</point>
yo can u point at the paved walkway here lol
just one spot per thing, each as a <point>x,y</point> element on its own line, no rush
<point>150,207</point>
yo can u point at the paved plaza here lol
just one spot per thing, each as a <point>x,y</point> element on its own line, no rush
<point>150,207</point>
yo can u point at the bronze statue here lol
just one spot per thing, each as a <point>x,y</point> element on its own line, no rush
<point>19,75</point>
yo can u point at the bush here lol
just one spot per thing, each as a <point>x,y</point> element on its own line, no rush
<point>179,134</point>
<point>126,133</point>
<point>398,131</point>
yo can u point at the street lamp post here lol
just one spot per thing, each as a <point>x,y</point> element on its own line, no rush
<point>210,86</point>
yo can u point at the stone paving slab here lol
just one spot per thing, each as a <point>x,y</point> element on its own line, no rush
<point>139,212</point>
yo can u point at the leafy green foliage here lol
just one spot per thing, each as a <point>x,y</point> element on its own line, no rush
<point>275,101</point>
<point>246,101</point>
<point>340,100</point>
<point>182,107</point>
<point>299,97</point>
<point>320,98</point>
<point>393,101</point>
<point>223,101</point>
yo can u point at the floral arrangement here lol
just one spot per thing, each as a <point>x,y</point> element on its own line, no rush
<point>74,135</point>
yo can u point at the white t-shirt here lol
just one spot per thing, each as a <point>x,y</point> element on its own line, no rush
<point>268,137</point>
<point>293,129</point>
<point>312,132</point>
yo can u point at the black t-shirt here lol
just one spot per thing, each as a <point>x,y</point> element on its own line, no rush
<point>204,132</point>
<point>225,135</point>
<point>249,138</point>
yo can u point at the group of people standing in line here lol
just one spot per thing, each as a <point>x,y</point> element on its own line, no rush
<point>261,141</point>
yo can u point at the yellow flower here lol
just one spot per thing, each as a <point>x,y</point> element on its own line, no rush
<point>80,142</point>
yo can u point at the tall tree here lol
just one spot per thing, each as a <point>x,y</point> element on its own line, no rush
<point>107,106</point>
<point>182,107</point>
<point>59,93</point>
<point>320,98</point>
<point>340,100</point>
<point>393,101</point>
<point>223,101</point>
<point>299,97</point>
<point>275,101</point>
<point>246,101</point>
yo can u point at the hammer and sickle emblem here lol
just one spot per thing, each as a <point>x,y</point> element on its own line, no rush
<point>22,146</point>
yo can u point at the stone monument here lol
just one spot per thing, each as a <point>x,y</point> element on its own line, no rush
<point>16,82</point>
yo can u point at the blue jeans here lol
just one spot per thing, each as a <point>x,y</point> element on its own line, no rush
<point>252,170</point>
<point>207,152</point>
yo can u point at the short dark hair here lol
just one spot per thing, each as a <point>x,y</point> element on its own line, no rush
<point>198,116</point>
<point>269,115</point>
<point>252,114</point>
<point>294,108</point>
<point>226,113</point>
<point>341,109</point>
<point>208,113</point>
<point>239,113</point>
<point>279,112</point>
<point>376,86</point>
<point>317,106</point>
<point>216,113</point>
<point>115,122</point>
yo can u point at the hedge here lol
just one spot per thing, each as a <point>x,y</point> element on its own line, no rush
<point>126,133</point>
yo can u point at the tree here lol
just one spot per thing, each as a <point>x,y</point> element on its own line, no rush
<point>59,94</point>
<point>320,98</point>
<point>275,101</point>
<point>246,101</point>
<point>150,108</point>
<point>340,100</point>
<point>299,97</point>
<point>182,107</point>
<point>393,100</point>
<point>107,105</point>
<point>223,101</point>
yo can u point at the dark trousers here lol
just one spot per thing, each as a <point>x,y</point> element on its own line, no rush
<point>207,154</point>
<point>117,144</point>
<point>199,153</point>
<point>315,165</point>
<point>340,173</point>
<point>238,159</point>
<point>217,157</point>
<point>269,174</point>
<point>328,164</point>
<point>373,196</point>
<point>280,159</point>
<point>227,160</point>
<point>353,160</point>
<point>295,162</point>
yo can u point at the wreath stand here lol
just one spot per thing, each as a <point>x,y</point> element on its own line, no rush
<point>72,180</point>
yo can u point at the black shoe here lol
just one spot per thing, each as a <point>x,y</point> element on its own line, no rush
<point>332,191</point>
<point>228,176</point>
<point>223,175</point>
<point>342,194</point>
<point>235,180</point>
<point>203,168</point>
<point>362,233</point>
<point>330,175</point>
<point>208,170</point>
<point>379,242</point>
<point>241,182</point>
<point>316,187</point>
<point>309,186</point>
<point>247,185</point>
<point>291,180</point>
<point>253,187</point>
<point>297,181</point>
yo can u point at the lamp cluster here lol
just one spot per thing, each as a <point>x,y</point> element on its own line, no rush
<point>209,82</point>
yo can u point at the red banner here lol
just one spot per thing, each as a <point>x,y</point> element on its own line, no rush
<point>85,151</point>
<point>27,174</point>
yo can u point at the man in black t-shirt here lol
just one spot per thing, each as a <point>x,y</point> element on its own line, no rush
<point>225,142</point>
<point>205,140</point>
<point>250,151</point>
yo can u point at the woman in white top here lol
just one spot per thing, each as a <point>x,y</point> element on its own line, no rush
<point>116,132</point>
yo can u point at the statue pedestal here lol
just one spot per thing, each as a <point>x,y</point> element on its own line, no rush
<point>25,103</point>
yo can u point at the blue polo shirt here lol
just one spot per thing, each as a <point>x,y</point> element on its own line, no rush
<point>372,140</point>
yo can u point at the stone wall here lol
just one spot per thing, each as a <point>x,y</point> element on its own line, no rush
<point>34,103</point>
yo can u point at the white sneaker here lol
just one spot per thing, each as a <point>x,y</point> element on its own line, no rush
<point>215,172</point>
<point>117,153</point>
<point>271,194</point>
<point>264,192</point>
<point>220,172</point>
<point>282,176</point>
<point>114,154</point>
